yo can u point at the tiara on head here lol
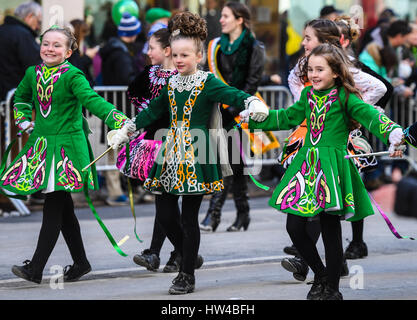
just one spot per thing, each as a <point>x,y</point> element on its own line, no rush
<point>176,32</point>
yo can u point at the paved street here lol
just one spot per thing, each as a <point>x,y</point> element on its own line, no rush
<point>238,266</point>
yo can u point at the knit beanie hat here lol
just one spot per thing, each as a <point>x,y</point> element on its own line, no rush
<point>156,13</point>
<point>129,26</point>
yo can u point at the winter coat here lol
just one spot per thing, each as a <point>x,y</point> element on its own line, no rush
<point>118,66</point>
<point>18,51</point>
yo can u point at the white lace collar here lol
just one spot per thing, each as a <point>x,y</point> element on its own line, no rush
<point>187,83</point>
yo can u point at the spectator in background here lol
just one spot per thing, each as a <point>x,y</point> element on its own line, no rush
<point>329,13</point>
<point>383,59</point>
<point>412,55</point>
<point>18,51</point>
<point>18,46</point>
<point>118,69</point>
<point>212,17</point>
<point>117,60</point>
<point>374,33</point>
<point>82,58</point>
<point>238,59</point>
<point>109,27</point>
<point>157,18</point>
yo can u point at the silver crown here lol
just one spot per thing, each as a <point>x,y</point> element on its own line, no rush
<point>176,32</point>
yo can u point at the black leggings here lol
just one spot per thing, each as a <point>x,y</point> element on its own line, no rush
<point>158,234</point>
<point>58,215</point>
<point>331,233</point>
<point>182,230</point>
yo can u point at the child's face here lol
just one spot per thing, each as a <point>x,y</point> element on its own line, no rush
<point>54,48</point>
<point>310,40</point>
<point>185,56</point>
<point>155,52</point>
<point>320,74</point>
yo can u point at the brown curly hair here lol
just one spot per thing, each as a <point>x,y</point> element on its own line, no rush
<point>188,25</point>
<point>348,27</point>
<point>71,41</point>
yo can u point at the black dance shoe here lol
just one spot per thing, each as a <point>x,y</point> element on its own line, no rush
<point>75,272</point>
<point>317,288</point>
<point>148,260</point>
<point>297,266</point>
<point>174,262</point>
<point>26,272</point>
<point>182,284</point>
<point>356,250</point>
<point>291,250</point>
<point>330,294</point>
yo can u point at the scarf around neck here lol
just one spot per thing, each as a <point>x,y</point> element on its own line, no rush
<point>242,46</point>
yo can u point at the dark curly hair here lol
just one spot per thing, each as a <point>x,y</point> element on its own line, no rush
<point>162,36</point>
<point>186,25</point>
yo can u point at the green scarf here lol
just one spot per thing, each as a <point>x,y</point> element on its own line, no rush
<point>243,46</point>
<point>229,48</point>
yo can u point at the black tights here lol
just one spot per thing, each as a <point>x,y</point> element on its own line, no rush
<point>331,233</point>
<point>158,234</point>
<point>184,231</point>
<point>357,231</point>
<point>58,215</point>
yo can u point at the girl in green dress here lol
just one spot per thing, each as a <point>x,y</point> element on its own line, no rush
<point>57,149</point>
<point>186,164</point>
<point>320,182</point>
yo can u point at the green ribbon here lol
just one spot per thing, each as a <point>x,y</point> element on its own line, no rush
<point>3,167</point>
<point>129,186</point>
<point>102,225</point>
<point>242,155</point>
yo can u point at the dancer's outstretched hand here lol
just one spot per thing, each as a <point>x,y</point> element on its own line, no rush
<point>116,138</point>
<point>27,126</point>
<point>395,139</point>
<point>258,110</point>
<point>244,116</point>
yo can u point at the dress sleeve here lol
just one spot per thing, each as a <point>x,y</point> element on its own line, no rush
<point>283,119</point>
<point>371,88</point>
<point>93,102</point>
<point>217,91</point>
<point>23,104</point>
<point>156,109</point>
<point>373,120</point>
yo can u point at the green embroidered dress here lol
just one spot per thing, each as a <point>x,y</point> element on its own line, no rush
<point>187,162</point>
<point>58,148</point>
<point>320,178</point>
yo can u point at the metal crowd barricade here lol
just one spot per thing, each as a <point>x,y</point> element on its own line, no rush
<point>275,96</point>
<point>403,111</point>
<point>117,95</point>
<point>6,116</point>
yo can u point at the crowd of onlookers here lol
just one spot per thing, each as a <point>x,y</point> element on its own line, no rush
<point>118,54</point>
